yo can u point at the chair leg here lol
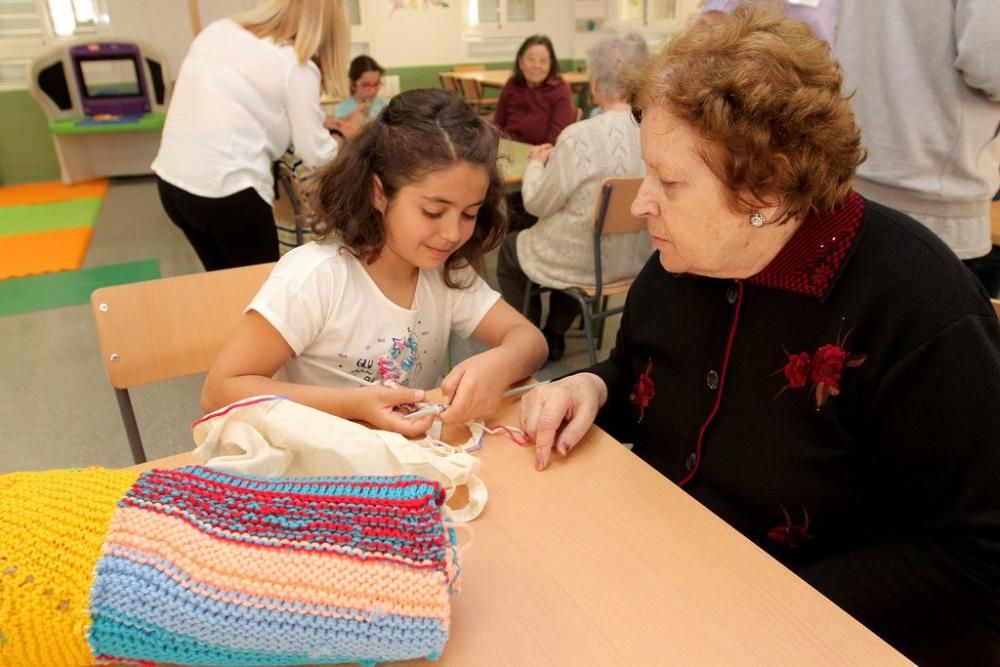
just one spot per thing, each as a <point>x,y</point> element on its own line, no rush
<point>131,427</point>
<point>600,323</point>
<point>588,329</point>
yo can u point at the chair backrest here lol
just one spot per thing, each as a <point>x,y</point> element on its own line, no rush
<point>996,306</point>
<point>579,114</point>
<point>470,90</point>
<point>171,327</point>
<point>447,81</point>
<point>613,209</point>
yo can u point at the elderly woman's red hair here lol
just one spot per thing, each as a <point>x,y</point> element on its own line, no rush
<point>765,96</point>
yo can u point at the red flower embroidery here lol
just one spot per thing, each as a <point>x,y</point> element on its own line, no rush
<point>644,390</point>
<point>797,369</point>
<point>828,365</point>
<point>825,368</point>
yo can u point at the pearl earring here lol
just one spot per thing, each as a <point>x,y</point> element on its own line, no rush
<point>757,219</point>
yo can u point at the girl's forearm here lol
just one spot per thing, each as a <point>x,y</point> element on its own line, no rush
<point>336,401</point>
<point>524,350</point>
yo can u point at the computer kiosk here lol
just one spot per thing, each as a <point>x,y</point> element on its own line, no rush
<point>105,101</point>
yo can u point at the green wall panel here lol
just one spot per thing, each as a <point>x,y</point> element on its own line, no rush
<point>26,152</point>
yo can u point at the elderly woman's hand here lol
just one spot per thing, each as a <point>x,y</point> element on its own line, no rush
<point>541,152</point>
<point>561,413</point>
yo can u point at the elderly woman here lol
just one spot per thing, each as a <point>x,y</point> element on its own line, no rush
<point>560,186</point>
<point>536,103</point>
<point>817,369</point>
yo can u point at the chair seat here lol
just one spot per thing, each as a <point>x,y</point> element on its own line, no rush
<point>607,290</point>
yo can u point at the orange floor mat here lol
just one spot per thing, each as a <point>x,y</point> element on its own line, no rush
<point>51,191</point>
<point>43,252</point>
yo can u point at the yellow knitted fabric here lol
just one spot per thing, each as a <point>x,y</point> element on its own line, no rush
<point>52,525</point>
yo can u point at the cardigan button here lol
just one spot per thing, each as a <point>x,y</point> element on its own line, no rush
<point>712,380</point>
<point>732,294</point>
<point>691,461</point>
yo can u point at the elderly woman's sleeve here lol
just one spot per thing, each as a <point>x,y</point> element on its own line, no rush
<point>615,415</point>
<point>563,113</point>
<point>934,438</point>
<point>503,103</point>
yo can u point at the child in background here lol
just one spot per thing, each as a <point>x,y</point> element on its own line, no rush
<point>405,214</point>
<point>365,76</point>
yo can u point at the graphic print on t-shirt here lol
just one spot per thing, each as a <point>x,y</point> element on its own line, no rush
<point>397,365</point>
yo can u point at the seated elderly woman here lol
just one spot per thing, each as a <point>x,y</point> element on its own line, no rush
<point>560,186</point>
<point>817,369</point>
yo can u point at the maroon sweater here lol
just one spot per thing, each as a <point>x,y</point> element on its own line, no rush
<point>535,115</point>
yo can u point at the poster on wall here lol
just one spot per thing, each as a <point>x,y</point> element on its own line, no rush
<point>395,5</point>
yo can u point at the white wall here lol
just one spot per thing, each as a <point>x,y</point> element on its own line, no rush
<point>404,38</point>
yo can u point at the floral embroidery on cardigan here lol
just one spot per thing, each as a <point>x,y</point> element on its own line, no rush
<point>824,367</point>
<point>644,390</point>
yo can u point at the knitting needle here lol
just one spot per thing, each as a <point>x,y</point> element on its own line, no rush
<point>438,409</point>
<point>344,375</point>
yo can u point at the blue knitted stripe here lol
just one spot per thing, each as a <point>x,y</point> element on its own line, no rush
<point>158,645</point>
<point>148,597</point>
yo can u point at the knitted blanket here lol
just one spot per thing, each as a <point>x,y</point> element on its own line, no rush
<point>198,567</point>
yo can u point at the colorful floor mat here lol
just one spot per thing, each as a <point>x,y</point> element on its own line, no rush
<point>69,288</point>
<point>46,227</point>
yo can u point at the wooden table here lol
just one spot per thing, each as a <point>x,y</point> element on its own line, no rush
<point>513,161</point>
<point>601,560</point>
<point>496,78</point>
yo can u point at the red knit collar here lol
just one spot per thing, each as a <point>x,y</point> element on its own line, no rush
<point>813,258</point>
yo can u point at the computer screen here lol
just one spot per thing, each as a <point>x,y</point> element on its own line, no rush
<point>110,77</point>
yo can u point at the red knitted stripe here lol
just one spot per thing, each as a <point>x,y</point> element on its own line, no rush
<point>416,560</point>
<point>811,260</point>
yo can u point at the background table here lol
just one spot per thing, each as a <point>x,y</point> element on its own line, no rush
<point>513,161</point>
<point>601,560</point>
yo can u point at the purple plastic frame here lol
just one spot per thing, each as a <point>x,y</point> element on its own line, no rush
<point>124,104</point>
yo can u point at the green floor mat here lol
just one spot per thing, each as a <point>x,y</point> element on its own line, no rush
<point>49,217</point>
<point>69,288</point>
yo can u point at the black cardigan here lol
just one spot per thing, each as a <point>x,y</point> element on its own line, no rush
<point>881,490</point>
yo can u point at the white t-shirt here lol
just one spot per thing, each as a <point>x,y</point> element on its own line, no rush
<point>331,313</point>
<point>238,103</point>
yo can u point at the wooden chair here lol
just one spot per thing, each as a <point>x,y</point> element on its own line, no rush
<point>167,328</point>
<point>579,114</point>
<point>472,91</point>
<point>612,215</point>
<point>295,185</point>
<point>448,82</point>
<point>996,306</point>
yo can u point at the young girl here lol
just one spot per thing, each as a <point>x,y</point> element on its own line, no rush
<point>406,211</point>
<point>365,76</point>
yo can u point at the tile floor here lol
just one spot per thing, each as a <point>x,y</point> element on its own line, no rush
<point>56,406</point>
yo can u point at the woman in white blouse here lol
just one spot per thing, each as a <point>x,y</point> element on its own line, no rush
<point>560,185</point>
<point>247,89</point>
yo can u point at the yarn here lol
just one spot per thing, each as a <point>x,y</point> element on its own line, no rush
<point>204,567</point>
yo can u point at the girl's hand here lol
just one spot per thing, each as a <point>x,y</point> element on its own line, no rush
<point>560,413</point>
<point>474,388</point>
<point>377,405</point>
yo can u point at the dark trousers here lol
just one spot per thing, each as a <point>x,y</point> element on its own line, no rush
<point>517,217</point>
<point>513,282</point>
<point>226,232</point>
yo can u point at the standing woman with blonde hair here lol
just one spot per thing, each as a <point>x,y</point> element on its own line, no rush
<point>248,88</point>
